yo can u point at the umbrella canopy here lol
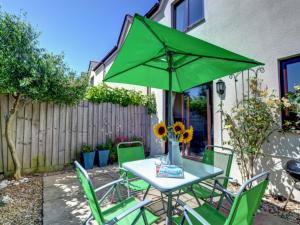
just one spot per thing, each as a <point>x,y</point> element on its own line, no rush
<point>157,56</point>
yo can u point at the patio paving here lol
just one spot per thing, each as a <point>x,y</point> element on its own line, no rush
<point>64,202</point>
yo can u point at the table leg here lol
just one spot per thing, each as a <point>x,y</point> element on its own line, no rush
<point>169,209</point>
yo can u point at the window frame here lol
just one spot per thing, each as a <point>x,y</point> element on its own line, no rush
<point>189,26</point>
<point>283,82</point>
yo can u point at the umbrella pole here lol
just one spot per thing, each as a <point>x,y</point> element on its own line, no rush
<point>170,110</point>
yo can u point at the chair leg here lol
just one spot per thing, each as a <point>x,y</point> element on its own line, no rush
<point>144,216</point>
<point>87,221</point>
<point>137,218</point>
<point>146,193</point>
<point>178,195</point>
<point>220,201</point>
<point>193,192</point>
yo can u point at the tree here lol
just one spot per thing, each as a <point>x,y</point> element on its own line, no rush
<point>30,73</point>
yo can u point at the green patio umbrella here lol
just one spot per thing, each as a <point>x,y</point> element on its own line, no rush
<point>157,56</point>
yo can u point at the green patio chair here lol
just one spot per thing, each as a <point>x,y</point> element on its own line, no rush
<point>220,157</point>
<point>129,153</point>
<point>125,212</point>
<point>244,208</point>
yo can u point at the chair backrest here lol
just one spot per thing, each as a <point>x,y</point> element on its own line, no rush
<point>220,157</point>
<point>129,153</point>
<point>89,193</point>
<point>248,200</point>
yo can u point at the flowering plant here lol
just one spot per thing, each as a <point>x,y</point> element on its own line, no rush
<point>250,124</point>
<point>176,132</point>
<point>292,102</point>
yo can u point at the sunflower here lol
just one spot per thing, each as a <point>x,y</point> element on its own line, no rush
<point>178,128</point>
<point>160,130</point>
<point>187,135</point>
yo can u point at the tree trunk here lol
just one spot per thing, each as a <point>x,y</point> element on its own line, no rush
<point>8,134</point>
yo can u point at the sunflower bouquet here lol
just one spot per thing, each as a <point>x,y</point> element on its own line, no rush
<point>176,132</point>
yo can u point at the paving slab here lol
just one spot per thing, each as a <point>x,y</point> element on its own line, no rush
<point>64,201</point>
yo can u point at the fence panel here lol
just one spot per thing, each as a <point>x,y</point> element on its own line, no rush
<point>49,136</point>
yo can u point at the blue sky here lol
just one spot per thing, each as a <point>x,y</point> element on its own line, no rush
<point>83,29</point>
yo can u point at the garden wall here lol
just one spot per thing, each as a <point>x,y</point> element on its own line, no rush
<point>49,136</point>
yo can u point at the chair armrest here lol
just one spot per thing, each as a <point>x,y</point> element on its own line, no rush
<point>129,211</point>
<point>193,213</point>
<point>109,185</point>
<point>220,187</point>
<point>222,178</point>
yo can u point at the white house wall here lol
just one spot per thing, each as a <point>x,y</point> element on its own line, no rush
<point>263,30</point>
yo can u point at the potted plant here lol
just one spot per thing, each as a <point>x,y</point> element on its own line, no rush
<point>88,156</point>
<point>102,155</point>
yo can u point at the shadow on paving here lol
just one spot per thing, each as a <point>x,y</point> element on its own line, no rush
<point>64,201</point>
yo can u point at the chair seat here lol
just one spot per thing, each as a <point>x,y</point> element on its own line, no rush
<point>115,210</point>
<point>210,214</point>
<point>138,185</point>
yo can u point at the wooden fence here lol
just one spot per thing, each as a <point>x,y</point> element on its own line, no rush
<point>49,136</point>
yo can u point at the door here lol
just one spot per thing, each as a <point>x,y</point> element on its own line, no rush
<point>194,107</point>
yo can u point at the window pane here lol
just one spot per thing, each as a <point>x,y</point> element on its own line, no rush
<point>290,78</point>
<point>196,102</point>
<point>293,74</point>
<point>196,11</point>
<point>180,14</point>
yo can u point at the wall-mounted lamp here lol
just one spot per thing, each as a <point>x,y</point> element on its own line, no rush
<point>221,87</point>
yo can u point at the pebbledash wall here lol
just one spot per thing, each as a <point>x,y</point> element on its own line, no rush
<point>267,31</point>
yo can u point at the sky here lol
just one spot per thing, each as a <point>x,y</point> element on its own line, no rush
<point>83,30</point>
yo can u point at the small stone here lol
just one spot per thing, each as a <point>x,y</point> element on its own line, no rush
<point>4,184</point>
<point>16,183</point>
<point>6,200</point>
<point>24,180</point>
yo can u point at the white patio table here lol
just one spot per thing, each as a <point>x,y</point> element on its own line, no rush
<point>194,172</point>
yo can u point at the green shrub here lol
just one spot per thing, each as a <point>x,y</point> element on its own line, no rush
<point>104,93</point>
<point>86,148</point>
<point>102,147</point>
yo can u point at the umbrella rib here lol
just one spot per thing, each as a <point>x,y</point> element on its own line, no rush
<point>221,58</point>
<point>130,68</point>
<point>191,61</point>
<point>155,67</point>
<point>149,28</point>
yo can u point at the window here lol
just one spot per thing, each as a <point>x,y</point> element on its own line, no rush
<point>289,78</point>
<point>92,81</point>
<point>186,13</point>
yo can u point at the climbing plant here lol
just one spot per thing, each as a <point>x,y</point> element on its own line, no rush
<point>104,93</point>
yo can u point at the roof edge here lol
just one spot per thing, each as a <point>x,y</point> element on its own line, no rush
<point>154,9</point>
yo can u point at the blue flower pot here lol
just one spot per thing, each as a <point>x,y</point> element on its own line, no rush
<point>102,158</point>
<point>88,160</point>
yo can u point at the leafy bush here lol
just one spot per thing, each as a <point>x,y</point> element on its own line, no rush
<point>104,93</point>
<point>86,148</point>
<point>250,124</point>
<point>198,104</point>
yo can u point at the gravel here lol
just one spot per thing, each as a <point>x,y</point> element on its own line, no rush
<point>21,201</point>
